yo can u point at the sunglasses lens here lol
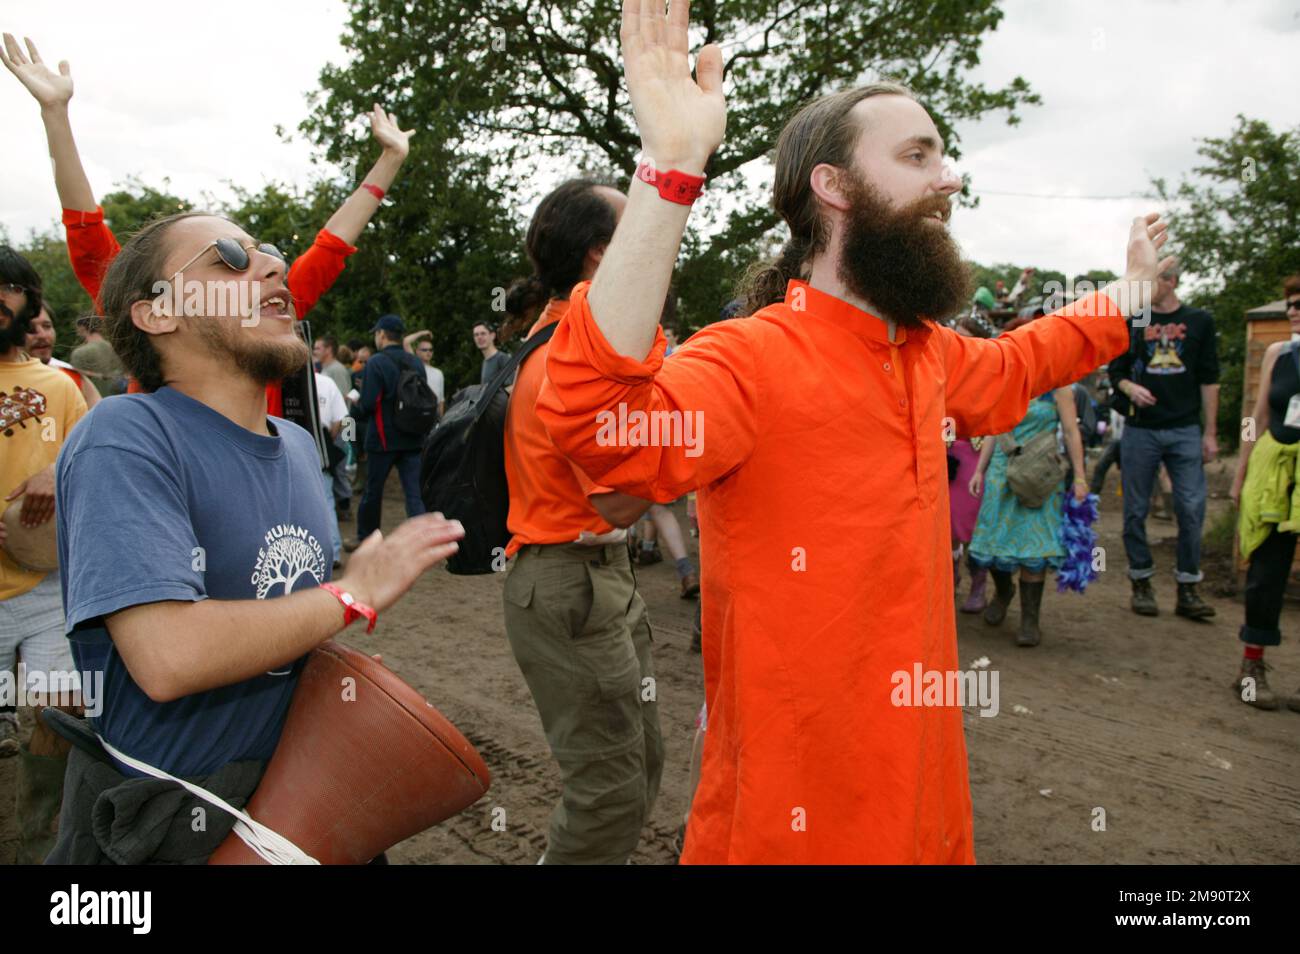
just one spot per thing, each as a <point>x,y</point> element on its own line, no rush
<point>267,248</point>
<point>232,253</point>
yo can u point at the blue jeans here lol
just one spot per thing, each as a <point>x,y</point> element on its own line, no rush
<point>1142,451</point>
<point>327,482</point>
<point>341,479</point>
<point>379,463</point>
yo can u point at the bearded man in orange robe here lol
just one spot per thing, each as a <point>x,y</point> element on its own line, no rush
<point>816,444</point>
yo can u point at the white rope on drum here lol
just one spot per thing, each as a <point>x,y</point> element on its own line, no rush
<point>270,846</point>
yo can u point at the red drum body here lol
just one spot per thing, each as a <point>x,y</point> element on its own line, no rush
<point>363,763</point>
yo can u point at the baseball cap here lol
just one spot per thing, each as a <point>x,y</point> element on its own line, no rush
<point>390,323</point>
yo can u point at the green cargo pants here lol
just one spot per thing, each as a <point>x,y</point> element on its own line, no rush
<point>579,631</point>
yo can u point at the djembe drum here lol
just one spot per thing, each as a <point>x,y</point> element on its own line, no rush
<point>363,763</point>
<point>32,548</point>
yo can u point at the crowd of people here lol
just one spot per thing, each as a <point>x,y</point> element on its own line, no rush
<point>866,427</point>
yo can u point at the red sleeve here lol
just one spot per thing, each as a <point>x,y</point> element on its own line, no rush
<point>91,247</point>
<point>315,270</point>
<point>275,398</point>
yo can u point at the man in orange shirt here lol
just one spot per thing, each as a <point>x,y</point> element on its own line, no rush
<point>813,431</point>
<point>576,624</point>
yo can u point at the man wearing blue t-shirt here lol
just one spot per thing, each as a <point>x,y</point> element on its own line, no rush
<point>194,537</point>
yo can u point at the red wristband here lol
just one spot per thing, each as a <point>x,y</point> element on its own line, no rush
<point>673,185</point>
<point>374,190</point>
<point>352,608</point>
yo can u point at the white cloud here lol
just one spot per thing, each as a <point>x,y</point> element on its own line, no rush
<point>1127,88</point>
<point>188,92</point>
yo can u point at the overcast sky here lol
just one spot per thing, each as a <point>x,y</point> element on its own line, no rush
<point>192,92</point>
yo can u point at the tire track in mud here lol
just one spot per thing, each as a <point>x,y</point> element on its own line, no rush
<point>509,825</point>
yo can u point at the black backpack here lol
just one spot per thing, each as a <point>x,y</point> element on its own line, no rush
<point>415,406</point>
<point>463,466</point>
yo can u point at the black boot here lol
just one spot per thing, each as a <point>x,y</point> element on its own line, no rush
<point>1190,603</point>
<point>1144,598</point>
<point>1004,590</point>
<point>1031,599</point>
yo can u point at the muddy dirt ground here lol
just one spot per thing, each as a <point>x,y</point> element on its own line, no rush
<point>1112,711</point>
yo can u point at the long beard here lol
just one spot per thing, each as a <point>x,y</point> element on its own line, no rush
<point>13,329</point>
<point>908,268</point>
<point>262,359</point>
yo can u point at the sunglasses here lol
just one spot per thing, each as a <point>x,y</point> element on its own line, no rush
<point>232,254</point>
<point>12,289</point>
<point>1293,305</point>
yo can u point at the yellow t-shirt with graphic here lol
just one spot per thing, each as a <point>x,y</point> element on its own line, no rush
<point>38,407</point>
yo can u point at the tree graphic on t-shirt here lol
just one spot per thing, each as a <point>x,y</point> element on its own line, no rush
<point>284,562</point>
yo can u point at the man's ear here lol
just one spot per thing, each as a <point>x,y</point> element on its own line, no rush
<point>827,184</point>
<point>151,317</point>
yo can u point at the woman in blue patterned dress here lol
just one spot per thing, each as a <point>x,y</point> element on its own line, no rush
<point>1010,536</point>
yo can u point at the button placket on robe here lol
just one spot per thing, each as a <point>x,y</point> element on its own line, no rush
<point>897,367</point>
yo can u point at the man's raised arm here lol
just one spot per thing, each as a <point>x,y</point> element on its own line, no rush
<point>91,244</point>
<point>605,365</point>
<point>315,270</point>
<point>681,122</point>
<point>990,382</point>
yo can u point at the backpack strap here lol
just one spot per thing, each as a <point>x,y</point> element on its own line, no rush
<point>499,379</point>
<point>398,364</point>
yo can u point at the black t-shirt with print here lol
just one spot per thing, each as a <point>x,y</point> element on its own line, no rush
<point>1172,357</point>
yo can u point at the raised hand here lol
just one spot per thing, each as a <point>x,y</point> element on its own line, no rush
<point>383,126</point>
<point>1145,239</point>
<point>1133,293</point>
<point>681,119</point>
<point>49,88</point>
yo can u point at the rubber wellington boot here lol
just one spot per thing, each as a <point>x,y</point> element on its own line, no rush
<point>1004,590</point>
<point>40,797</point>
<point>976,601</point>
<point>1031,600</point>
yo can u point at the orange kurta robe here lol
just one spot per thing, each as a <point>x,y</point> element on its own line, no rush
<point>818,455</point>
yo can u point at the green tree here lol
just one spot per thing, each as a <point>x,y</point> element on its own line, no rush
<point>501,89</point>
<point>1236,222</point>
<point>133,203</point>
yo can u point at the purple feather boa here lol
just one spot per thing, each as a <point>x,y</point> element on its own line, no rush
<point>1078,539</point>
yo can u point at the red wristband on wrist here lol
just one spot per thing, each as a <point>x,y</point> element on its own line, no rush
<point>374,190</point>
<point>673,185</point>
<point>352,608</point>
